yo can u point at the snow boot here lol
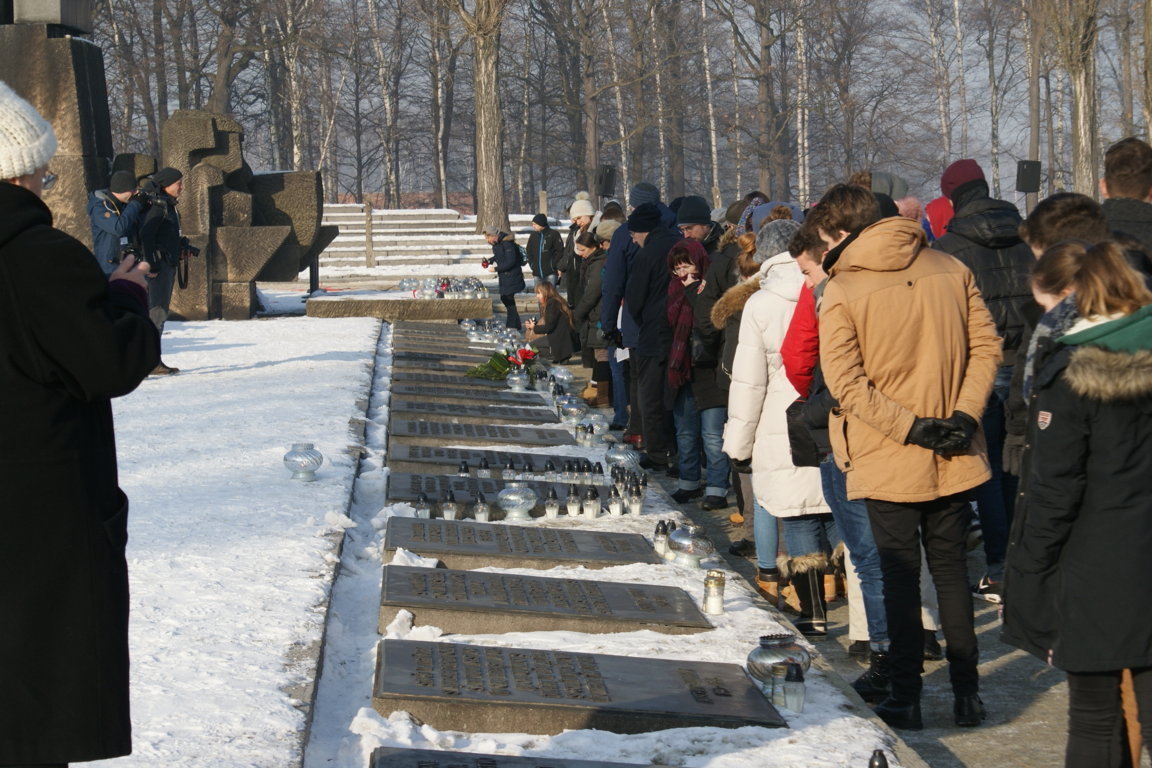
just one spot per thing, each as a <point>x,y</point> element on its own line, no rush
<point>875,684</point>
<point>806,573</point>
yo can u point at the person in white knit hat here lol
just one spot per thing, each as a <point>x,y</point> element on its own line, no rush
<point>70,340</point>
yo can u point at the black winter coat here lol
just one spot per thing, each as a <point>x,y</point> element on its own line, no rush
<point>646,294</point>
<point>561,336</point>
<point>586,313</point>
<point>983,235</point>
<point>545,250</point>
<point>1078,577</point>
<point>1130,217</point>
<point>506,257</point>
<point>160,232</point>
<point>69,341</point>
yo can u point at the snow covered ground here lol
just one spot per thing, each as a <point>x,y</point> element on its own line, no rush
<point>232,565</point>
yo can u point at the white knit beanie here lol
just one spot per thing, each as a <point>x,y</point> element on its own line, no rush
<point>27,141</point>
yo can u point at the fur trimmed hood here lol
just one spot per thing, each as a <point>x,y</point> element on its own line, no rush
<point>1102,374</point>
<point>732,302</point>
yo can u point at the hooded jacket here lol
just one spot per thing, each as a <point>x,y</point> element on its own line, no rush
<point>506,257</point>
<point>904,333</point>
<point>760,394</point>
<point>1082,525</point>
<point>68,345</point>
<point>545,250</point>
<point>983,235</point>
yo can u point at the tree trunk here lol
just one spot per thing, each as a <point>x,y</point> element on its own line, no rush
<point>491,209</point>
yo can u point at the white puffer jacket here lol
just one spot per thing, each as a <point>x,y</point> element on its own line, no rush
<point>761,393</point>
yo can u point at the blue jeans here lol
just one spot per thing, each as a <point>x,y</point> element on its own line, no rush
<point>996,497</point>
<point>766,535</point>
<point>719,471</point>
<point>619,388</point>
<point>852,522</point>
<point>808,534</point>
<point>687,421</point>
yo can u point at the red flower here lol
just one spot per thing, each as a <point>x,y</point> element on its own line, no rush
<point>526,354</point>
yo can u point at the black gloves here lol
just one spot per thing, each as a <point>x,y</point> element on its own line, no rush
<point>742,466</point>
<point>963,427</point>
<point>928,433</point>
<point>944,436</point>
<point>614,338</point>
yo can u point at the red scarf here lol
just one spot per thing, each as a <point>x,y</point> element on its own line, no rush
<point>680,316</point>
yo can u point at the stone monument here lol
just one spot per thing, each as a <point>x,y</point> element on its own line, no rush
<point>63,77</point>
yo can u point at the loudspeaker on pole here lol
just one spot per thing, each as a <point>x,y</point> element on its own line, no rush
<point>606,180</point>
<point>1028,176</point>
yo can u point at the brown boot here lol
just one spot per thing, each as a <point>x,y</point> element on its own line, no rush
<point>601,395</point>
<point>768,585</point>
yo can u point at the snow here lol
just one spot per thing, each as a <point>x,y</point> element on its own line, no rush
<point>233,572</point>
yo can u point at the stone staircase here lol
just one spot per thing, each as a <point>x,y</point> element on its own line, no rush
<point>371,239</point>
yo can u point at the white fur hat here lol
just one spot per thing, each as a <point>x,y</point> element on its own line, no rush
<point>27,141</point>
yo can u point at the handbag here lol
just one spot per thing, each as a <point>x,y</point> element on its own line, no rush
<point>805,451</point>
<point>703,353</point>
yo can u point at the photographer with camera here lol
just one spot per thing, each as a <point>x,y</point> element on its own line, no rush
<point>115,214</point>
<point>163,247</point>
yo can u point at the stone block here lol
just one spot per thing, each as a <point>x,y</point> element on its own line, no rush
<point>74,15</point>
<point>68,199</point>
<point>481,603</point>
<point>393,310</point>
<point>482,689</point>
<point>464,545</point>
<point>295,199</point>
<point>245,250</point>
<point>445,380</point>
<point>138,165</point>
<point>408,487</point>
<point>464,395</point>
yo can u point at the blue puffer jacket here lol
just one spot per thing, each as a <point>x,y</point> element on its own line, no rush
<point>113,224</point>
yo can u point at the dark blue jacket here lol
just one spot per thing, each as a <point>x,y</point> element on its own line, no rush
<point>617,267</point>
<point>545,250</point>
<point>114,224</point>
<point>506,257</point>
<point>646,295</point>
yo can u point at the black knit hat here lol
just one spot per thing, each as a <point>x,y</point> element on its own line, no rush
<point>540,220</point>
<point>122,181</point>
<point>693,210</point>
<point>645,218</point>
<point>166,177</point>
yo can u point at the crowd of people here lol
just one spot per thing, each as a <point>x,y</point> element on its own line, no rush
<point>891,377</point>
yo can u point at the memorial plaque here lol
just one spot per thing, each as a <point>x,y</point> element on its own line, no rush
<point>475,603</point>
<point>456,355</point>
<point>484,689</point>
<point>406,487</point>
<point>469,395</point>
<point>436,365</point>
<point>445,380</point>
<point>456,413</point>
<point>405,457</point>
<point>439,433</point>
<point>464,545</point>
<point>403,757</point>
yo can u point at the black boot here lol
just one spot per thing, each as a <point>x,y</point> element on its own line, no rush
<point>809,586</point>
<point>900,714</point>
<point>875,684</point>
<point>969,711</point>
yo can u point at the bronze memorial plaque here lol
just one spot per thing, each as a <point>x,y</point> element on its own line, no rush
<point>405,457</point>
<point>464,544</point>
<point>483,689</point>
<point>406,487</point>
<point>457,379</point>
<point>404,757</point>
<point>477,413</point>
<point>440,433</point>
<point>476,603</point>
<point>469,395</point>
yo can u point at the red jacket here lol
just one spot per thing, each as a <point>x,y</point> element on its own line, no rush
<point>801,347</point>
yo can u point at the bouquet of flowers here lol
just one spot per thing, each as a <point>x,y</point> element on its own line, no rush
<point>503,361</point>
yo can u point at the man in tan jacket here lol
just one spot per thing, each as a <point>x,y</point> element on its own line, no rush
<point>910,352</point>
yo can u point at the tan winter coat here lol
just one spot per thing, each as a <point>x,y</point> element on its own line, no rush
<point>760,393</point>
<point>904,333</point>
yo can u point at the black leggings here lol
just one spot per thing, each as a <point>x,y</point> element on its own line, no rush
<point>1095,720</point>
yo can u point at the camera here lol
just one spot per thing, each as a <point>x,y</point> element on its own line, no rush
<point>130,250</point>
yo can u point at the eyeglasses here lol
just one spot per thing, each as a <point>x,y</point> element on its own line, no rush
<point>48,181</point>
